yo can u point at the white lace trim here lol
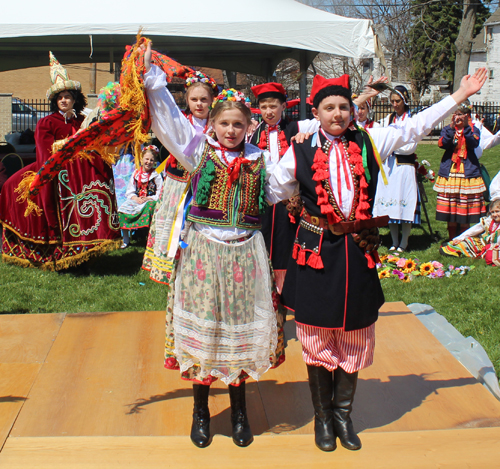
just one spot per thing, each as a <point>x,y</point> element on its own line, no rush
<point>227,342</point>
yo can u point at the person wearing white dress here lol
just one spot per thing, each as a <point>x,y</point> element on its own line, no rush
<point>399,198</point>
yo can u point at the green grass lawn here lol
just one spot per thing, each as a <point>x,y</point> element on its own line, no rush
<point>470,302</point>
<point>117,283</point>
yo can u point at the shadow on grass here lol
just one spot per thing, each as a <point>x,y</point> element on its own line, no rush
<point>16,311</point>
<point>124,262</point>
<point>417,242</point>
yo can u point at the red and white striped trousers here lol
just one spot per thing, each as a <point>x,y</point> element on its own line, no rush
<point>331,348</point>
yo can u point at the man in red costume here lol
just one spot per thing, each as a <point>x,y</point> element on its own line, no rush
<point>77,218</point>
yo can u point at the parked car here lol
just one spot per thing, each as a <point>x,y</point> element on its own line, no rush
<point>23,116</point>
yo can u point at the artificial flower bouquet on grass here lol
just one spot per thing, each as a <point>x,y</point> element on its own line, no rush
<point>407,269</point>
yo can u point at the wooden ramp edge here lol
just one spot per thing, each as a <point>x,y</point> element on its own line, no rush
<point>464,448</point>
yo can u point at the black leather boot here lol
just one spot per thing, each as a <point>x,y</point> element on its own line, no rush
<point>343,396</point>
<point>200,429</point>
<point>321,386</point>
<point>242,435</point>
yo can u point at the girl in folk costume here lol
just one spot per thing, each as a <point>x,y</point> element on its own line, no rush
<point>481,240</point>
<point>163,236</point>
<point>274,135</point>
<point>363,119</point>
<point>334,255</point>
<point>459,184</point>
<point>222,317</point>
<point>76,216</point>
<point>399,198</point>
<point>143,191</point>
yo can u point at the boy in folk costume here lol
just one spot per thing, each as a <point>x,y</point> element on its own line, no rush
<point>274,135</point>
<point>332,282</point>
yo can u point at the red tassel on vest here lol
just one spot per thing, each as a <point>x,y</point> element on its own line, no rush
<point>301,259</point>
<point>315,261</point>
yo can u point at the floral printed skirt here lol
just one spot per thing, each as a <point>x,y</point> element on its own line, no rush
<point>222,312</point>
<point>156,258</point>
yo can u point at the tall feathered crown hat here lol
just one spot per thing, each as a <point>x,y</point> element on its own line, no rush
<point>60,79</point>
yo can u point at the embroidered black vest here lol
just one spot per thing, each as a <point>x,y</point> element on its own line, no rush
<point>304,159</point>
<point>239,205</point>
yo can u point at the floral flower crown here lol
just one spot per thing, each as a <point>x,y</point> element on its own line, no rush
<point>195,77</point>
<point>152,148</point>
<point>232,95</point>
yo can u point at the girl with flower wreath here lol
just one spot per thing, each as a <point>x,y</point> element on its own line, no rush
<point>332,282</point>
<point>222,316</point>
<point>162,244</point>
<point>481,240</point>
<point>143,192</point>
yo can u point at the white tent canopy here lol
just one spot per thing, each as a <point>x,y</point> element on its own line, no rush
<point>250,37</point>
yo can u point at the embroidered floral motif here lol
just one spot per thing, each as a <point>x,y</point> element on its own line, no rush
<point>92,201</point>
<point>239,204</point>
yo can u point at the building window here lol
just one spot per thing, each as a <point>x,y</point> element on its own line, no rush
<point>489,33</point>
<point>368,66</point>
<point>491,75</point>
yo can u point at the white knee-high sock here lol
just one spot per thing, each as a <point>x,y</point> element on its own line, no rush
<point>394,227</point>
<point>405,234</point>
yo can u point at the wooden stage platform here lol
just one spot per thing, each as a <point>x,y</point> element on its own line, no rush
<point>90,391</point>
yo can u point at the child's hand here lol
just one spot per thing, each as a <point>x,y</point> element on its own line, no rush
<point>470,85</point>
<point>300,137</point>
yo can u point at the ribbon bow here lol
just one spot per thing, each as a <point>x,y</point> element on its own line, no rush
<point>233,169</point>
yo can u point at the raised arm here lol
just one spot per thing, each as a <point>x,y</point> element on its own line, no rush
<point>487,139</point>
<point>167,121</point>
<point>389,139</point>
